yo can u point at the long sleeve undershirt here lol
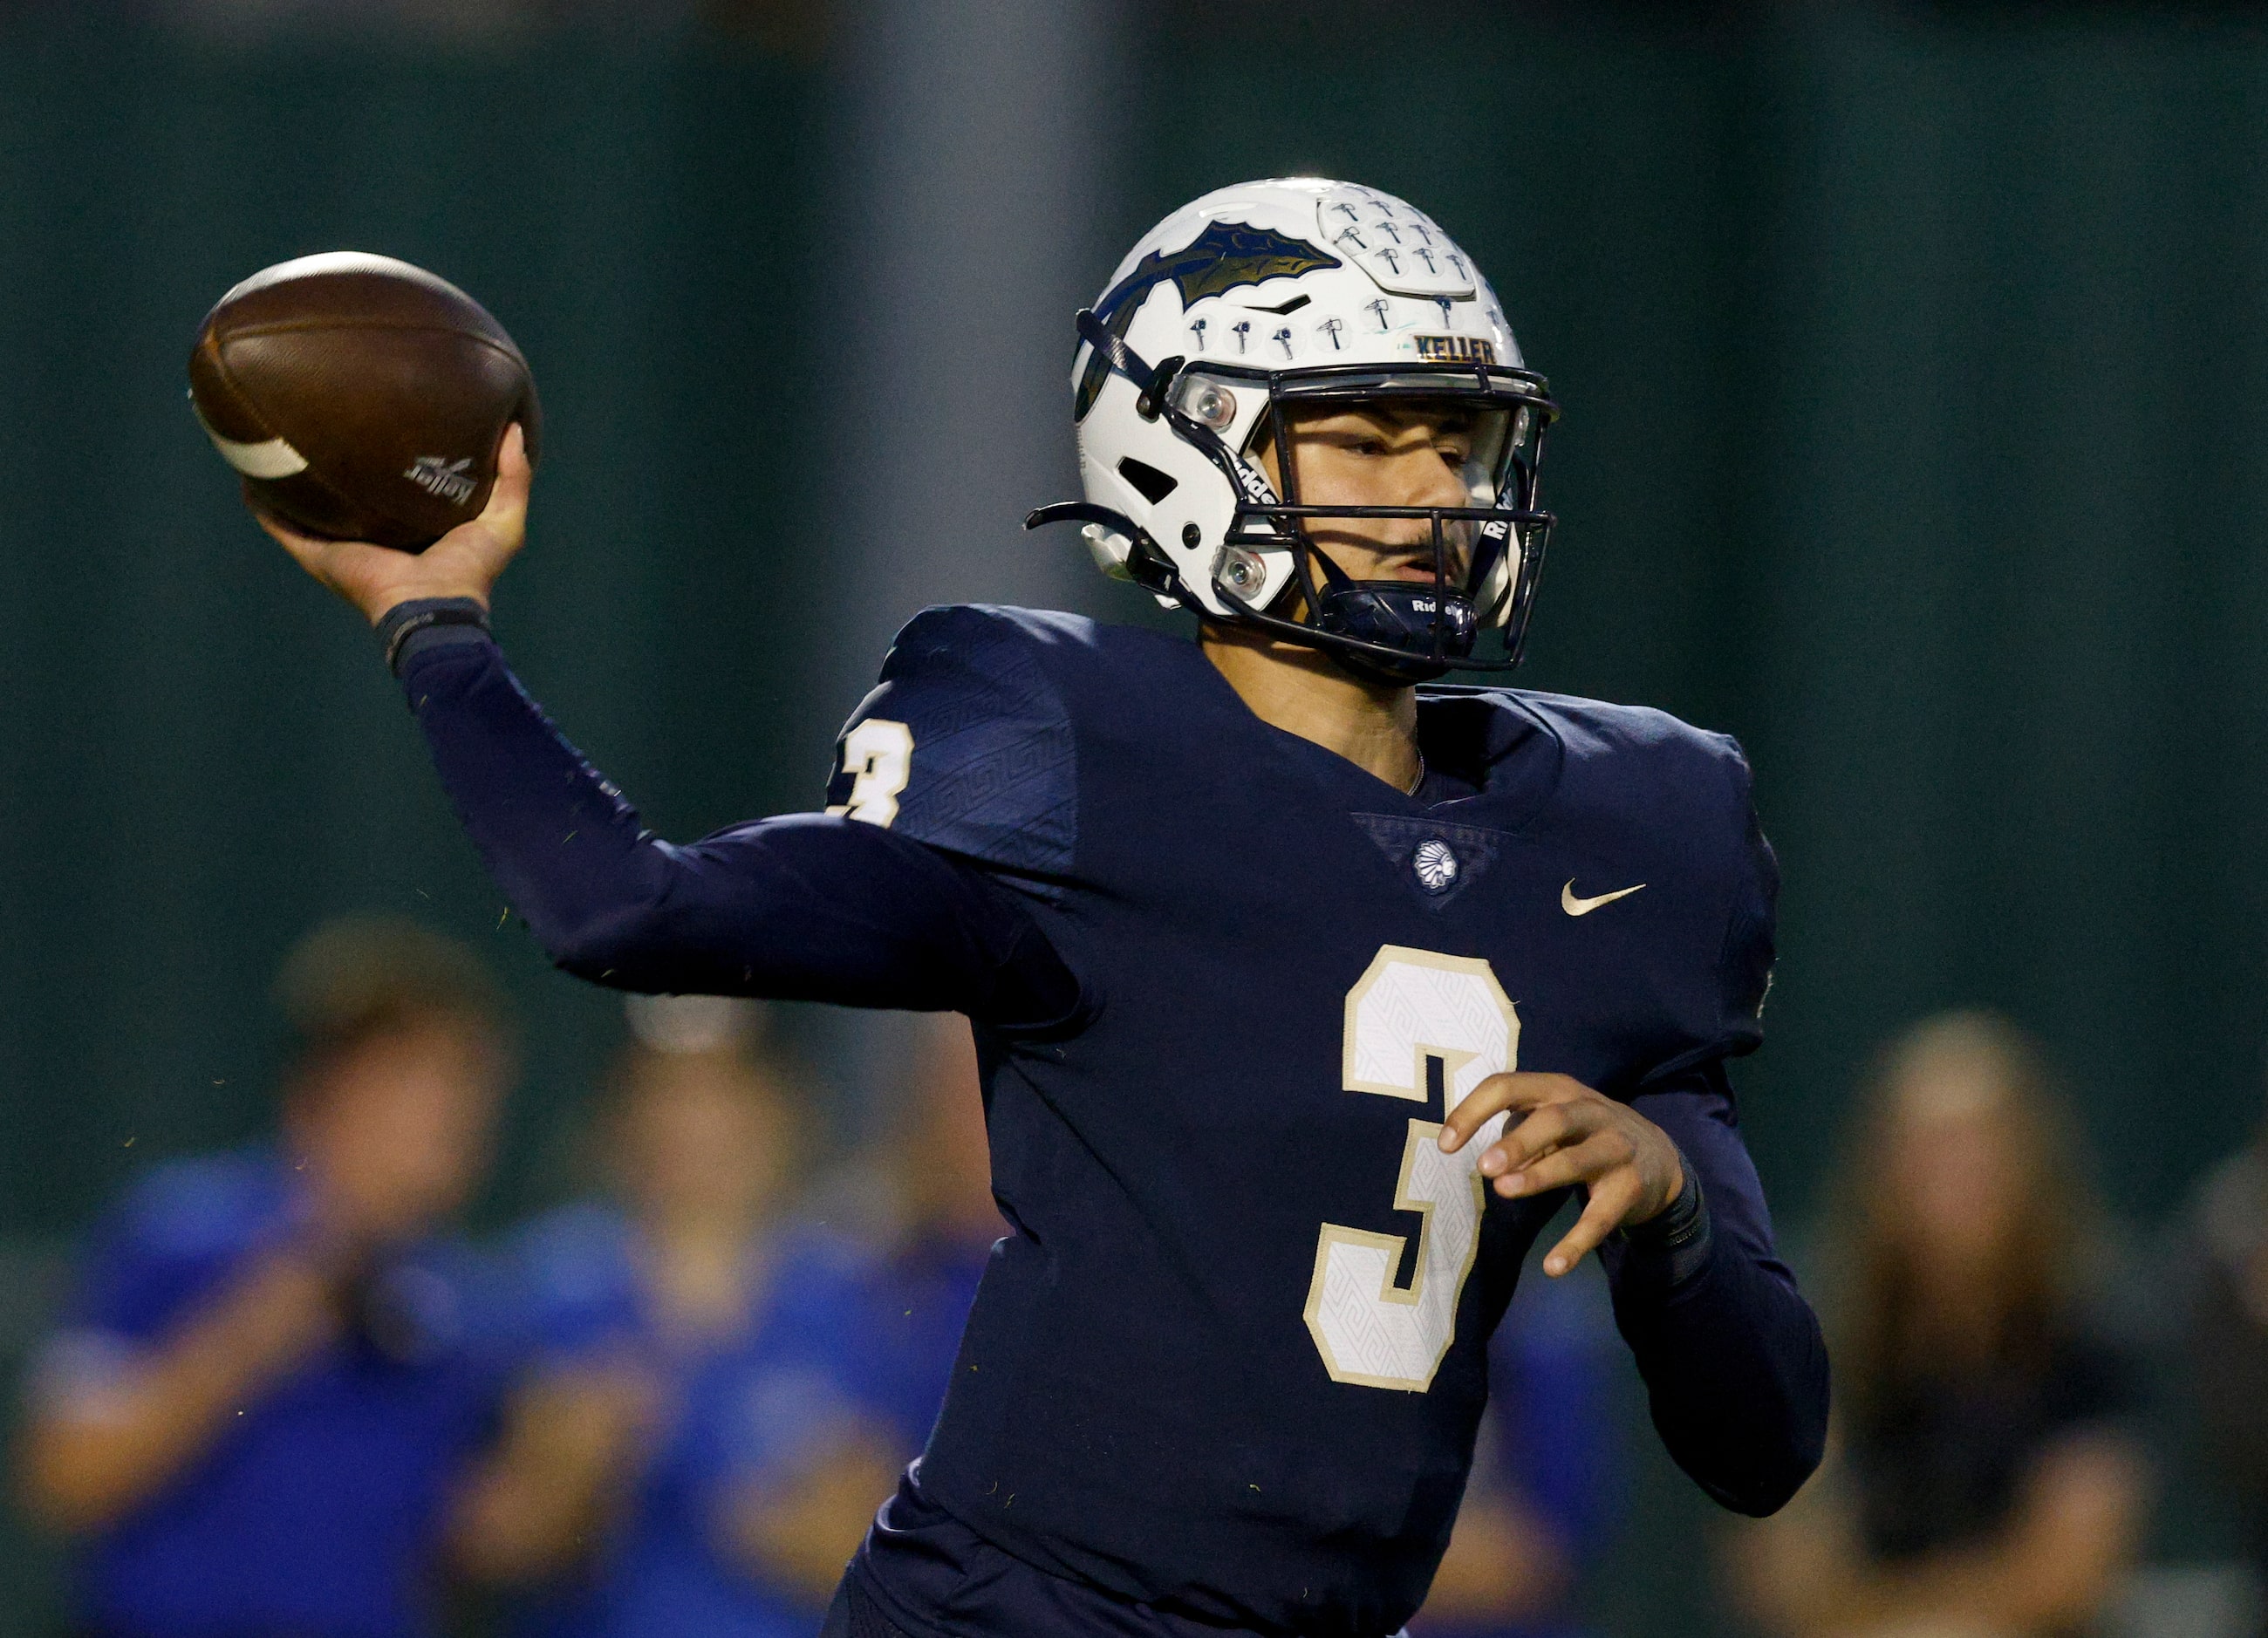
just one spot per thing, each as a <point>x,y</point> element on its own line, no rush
<point>1735,1365</point>
<point>816,908</point>
<point>806,906</point>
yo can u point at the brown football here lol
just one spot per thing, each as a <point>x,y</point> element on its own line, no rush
<point>362,399</point>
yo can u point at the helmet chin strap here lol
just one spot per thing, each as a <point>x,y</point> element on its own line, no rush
<point>1391,614</point>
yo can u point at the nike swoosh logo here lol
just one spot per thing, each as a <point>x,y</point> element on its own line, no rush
<point>1574,906</point>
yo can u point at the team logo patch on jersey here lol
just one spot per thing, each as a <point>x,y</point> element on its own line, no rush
<point>1455,349</point>
<point>1225,256</point>
<point>1436,864</point>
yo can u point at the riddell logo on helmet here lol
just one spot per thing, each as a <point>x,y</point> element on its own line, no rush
<point>1455,349</point>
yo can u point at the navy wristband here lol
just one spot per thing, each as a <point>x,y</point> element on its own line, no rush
<point>405,621</point>
<point>1679,1235</point>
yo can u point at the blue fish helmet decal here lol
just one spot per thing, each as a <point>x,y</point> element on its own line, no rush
<point>1226,256</point>
<point>1254,295</point>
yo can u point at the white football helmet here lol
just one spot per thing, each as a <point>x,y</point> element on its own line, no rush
<point>1293,292</point>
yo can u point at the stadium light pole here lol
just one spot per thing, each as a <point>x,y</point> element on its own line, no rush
<point>973,200</point>
<point>971,214</point>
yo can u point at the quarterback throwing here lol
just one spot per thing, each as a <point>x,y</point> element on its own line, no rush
<point>1307,988</point>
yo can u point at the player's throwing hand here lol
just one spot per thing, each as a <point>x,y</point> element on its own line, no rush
<point>464,562</point>
<point>1571,1134</point>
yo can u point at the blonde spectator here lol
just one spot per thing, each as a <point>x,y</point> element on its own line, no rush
<point>1983,1483</point>
<point>2227,1376</point>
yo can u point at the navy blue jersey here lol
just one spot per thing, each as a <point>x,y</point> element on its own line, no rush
<point>1231,1362</point>
<point>928,1284</point>
<point>1243,1321</point>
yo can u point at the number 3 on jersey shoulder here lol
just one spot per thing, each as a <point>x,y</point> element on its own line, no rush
<point>1412,1005</point>
<point>878,756</point>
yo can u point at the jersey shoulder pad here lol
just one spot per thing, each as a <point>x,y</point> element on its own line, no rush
<point>965,744</point>
<point>1661,788</point>
<point>1644,763</point>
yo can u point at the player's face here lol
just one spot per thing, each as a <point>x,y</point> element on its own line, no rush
<point>1409,453</point>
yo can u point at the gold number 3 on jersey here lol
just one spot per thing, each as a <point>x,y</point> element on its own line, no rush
<point>1410,1006</point>
<point>878,754</point>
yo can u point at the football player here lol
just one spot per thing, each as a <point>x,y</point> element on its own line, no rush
<point>1307,994</point>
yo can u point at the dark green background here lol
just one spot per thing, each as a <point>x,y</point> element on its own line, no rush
<point>1916,372</point>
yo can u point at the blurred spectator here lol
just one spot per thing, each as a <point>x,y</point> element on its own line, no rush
<point>933,1218</point>
<point>1986,1483</point>
<point>1538,1502</point>
<point>2228,1333</point>
<point>273,1364</point>
<point>689,1457</point>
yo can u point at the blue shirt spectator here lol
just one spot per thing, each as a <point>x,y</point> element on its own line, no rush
<point>922,1291</point>
<point>932,1221</point>
<point>736,1420</point>
<point>319,1512</point>
<point>276,1363</point>
<point>696,1450</point>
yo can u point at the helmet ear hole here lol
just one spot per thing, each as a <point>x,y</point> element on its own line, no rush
<point>1151,484</point>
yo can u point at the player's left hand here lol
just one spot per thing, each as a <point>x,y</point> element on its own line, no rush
<point>1562,1132</point>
